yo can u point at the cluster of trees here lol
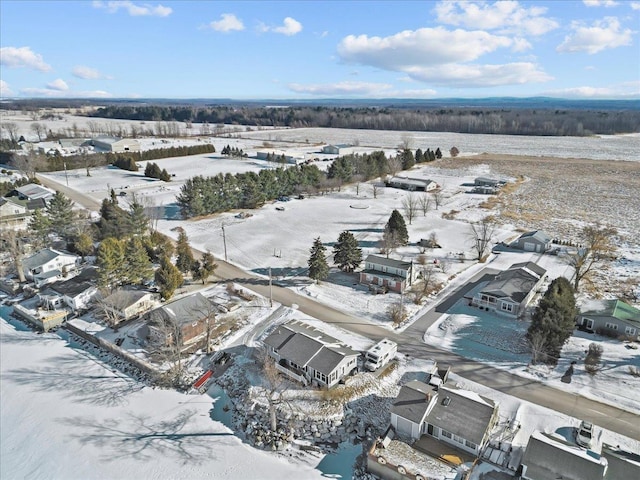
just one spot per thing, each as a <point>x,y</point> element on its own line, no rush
<point>347,255</point>
<point>152,170</point>
<point>206,195</point>
<point>182,151</point>
<point>233,152</point>
<point>6,187</point>
<point>125,163</point>
<point>553,322</point>
<point>511,121</point>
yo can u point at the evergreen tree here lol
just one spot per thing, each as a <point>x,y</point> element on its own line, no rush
<point>185,258</point>
<point>40,226</point>
<point>397,227</point>
<point>438,153</point>
<point>110,261</point>
<point>83,244</point>
<point>554,319</point>
<point>318,267</point>
<point>168,278</point>
<point>60,212</point>
<point>114,221</point>
<point>204,269</point>
<point>419,156</point>
<point>158,246</point>
<point>407,158</point>
<point>138,265</point>
<point>346,253</point>
<point>164,175</point>
<point>138,220</point>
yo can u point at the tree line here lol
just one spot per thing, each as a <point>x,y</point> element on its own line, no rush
<point>508,121</point>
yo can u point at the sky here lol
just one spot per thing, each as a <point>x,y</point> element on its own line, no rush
<point>320,49</point>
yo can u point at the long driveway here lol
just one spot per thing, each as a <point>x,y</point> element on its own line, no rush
<point>410,343</point>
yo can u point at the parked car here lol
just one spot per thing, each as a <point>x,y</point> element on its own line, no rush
<point>280,209</point>
<point>584,434</point>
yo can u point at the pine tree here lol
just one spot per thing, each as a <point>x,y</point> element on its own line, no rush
<point>347,254</point>
<point>438,153</point>
<point>40,226</point>
<point>185,258</point>
<point>397,227</point>
<point>110,261</point>
<point>83,244</point>
<point>205,268</point>
<point>318,267</point>
<point>138,220</point>
<point>138,265</point>
<point>114,221</point>
<point>168,278</point>
<point>164,175</point>
<point>419,156</point>
<point>407,158</point>
<point>60,212</point>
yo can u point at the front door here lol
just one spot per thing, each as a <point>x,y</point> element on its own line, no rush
<point>430,429</point>
<point>588,323</point>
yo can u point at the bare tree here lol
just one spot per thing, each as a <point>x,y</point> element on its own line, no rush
<point>11,240</point>
<point>425,203</point>
<point>389,242</point>
<point>394,164</point>
<point>537,342</point>
<point>39,130</point>
<point>207,311</point>
<point>12,130</point>
<point>597,247</point>
<point>275,385</point>
<point>426,271</point>
<point>374,189</point>
<point>481,236</point>
<point>29,163</point>
<point>406,142</point>
<point>410,206</point>
<point>166,347</point>
<point>358,178</point>
<point>438,197</point>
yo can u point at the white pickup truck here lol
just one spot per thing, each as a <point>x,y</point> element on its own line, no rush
<point>380,354</point>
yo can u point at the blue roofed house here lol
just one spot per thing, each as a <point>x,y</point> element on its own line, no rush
<point>310,356</point>
<point>610,317</point>
<point>511,290</point>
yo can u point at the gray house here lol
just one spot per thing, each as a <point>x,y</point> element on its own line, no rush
<point>610,317</point>
<point>536,241</point>
<point>310,356</point>
<point>460,418</point>
<point>549,457</point>
<point>487,182</point>
<point>412,184</point>
<point>395,275</point>
<point>512,290</point>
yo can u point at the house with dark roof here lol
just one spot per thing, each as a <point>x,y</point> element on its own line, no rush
<point>458,417</point>
<point>49,265</point>
<point>412,184</point>
<point>123,305</point>
<point>183,321</point>
<point>15,213</point>
<point>535,241</point>
<point>394,275</point>
<point>610,317</point>
<point>77,292</point>
<point>488,182</point>
<point>309,355</point>
<point>511,290</point>
<point>549,457</point>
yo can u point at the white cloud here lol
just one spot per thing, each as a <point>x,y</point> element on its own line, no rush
<point>141,10</point>
<point>603,34</point>
<point>422,47</point>
<point>59,85</point>
<point>22,57</point>
<point>635,5</point>
<point>289,27</point>
<point>341,88</point>
<point>521,44</point>
<point>228,22</point>
<point>5,90</point>
<point>474,76</point>
<point>600,3</point>
<point>505,16</point>
<point>86,73</point>
<point>52,92</point>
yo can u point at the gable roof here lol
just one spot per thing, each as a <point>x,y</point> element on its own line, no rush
<point>516,282</point>
<point>549,458</point>
<point>43,256</point>
<point>122,299</point>
<point>538,235</point>
<point>388,262</point>
<point>185,310</point>
<point>411,181</point>
<point>612,308</point>
<point>413,401</point>
<point>33,191</point>
<point>76,285</point>
<point>465,413</point>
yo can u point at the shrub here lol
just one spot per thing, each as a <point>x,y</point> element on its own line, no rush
<point>593,358</point>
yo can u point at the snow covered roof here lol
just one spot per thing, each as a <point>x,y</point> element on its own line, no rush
<point>42,257</point>
<point>185,310</point>
<point>462,413</point>
<point>516,282</point>
<point>550,458</point>
<point>32,191</point>
<point>611,308</point>
<point>413,401</point>
<point>122,299</point>
<point>388,262</point>
<point>538,235</point>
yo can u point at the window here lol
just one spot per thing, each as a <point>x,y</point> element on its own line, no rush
<point>630,331</point>
<point>507,307</point>
<point>470,444</point>
<point>445,433</point>
<point>611,326</point>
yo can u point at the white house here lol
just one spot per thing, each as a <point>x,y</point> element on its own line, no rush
<point>49,265</point>
<point>123,305</point>
<point>32,191</point>
<point>310,356</point>
<point>77,292</point>
<point>460,418</point>
<point>336,149</point>
<point>14,214</point>
<point>395,275</point>
<point>512,290</point>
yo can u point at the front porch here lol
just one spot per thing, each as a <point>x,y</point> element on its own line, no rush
<point>295,374</point>
<point>442,451</point>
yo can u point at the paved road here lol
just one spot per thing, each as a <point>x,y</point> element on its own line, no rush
<point>410,343</point>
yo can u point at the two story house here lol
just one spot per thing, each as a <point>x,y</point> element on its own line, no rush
<point>310,356</point>
<point>48,266</point>
<point>395,275</point>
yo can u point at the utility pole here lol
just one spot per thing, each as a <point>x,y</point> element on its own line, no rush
<point>270,289</point>
<point>65,172</point>
<point>224,242</point>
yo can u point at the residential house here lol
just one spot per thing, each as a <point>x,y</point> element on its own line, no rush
<point>487,182</point>
<point>77,292</point>
<point>535,241</point>
<point>115,144</point>
<point>49,265</point>
<point>310,356</point>
<point>412,184</point>
<point>511,290</point>
<point>610,317</point>
<point>15,213</point>
<point>32,191</point>
<point>621,463</point>
<point>395,275</point>
<point>460,418</point>
<point>549,457</point>
<point>184,321</point>
<point>123,305</point>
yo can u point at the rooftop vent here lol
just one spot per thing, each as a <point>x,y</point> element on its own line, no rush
<point>446,401</point>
